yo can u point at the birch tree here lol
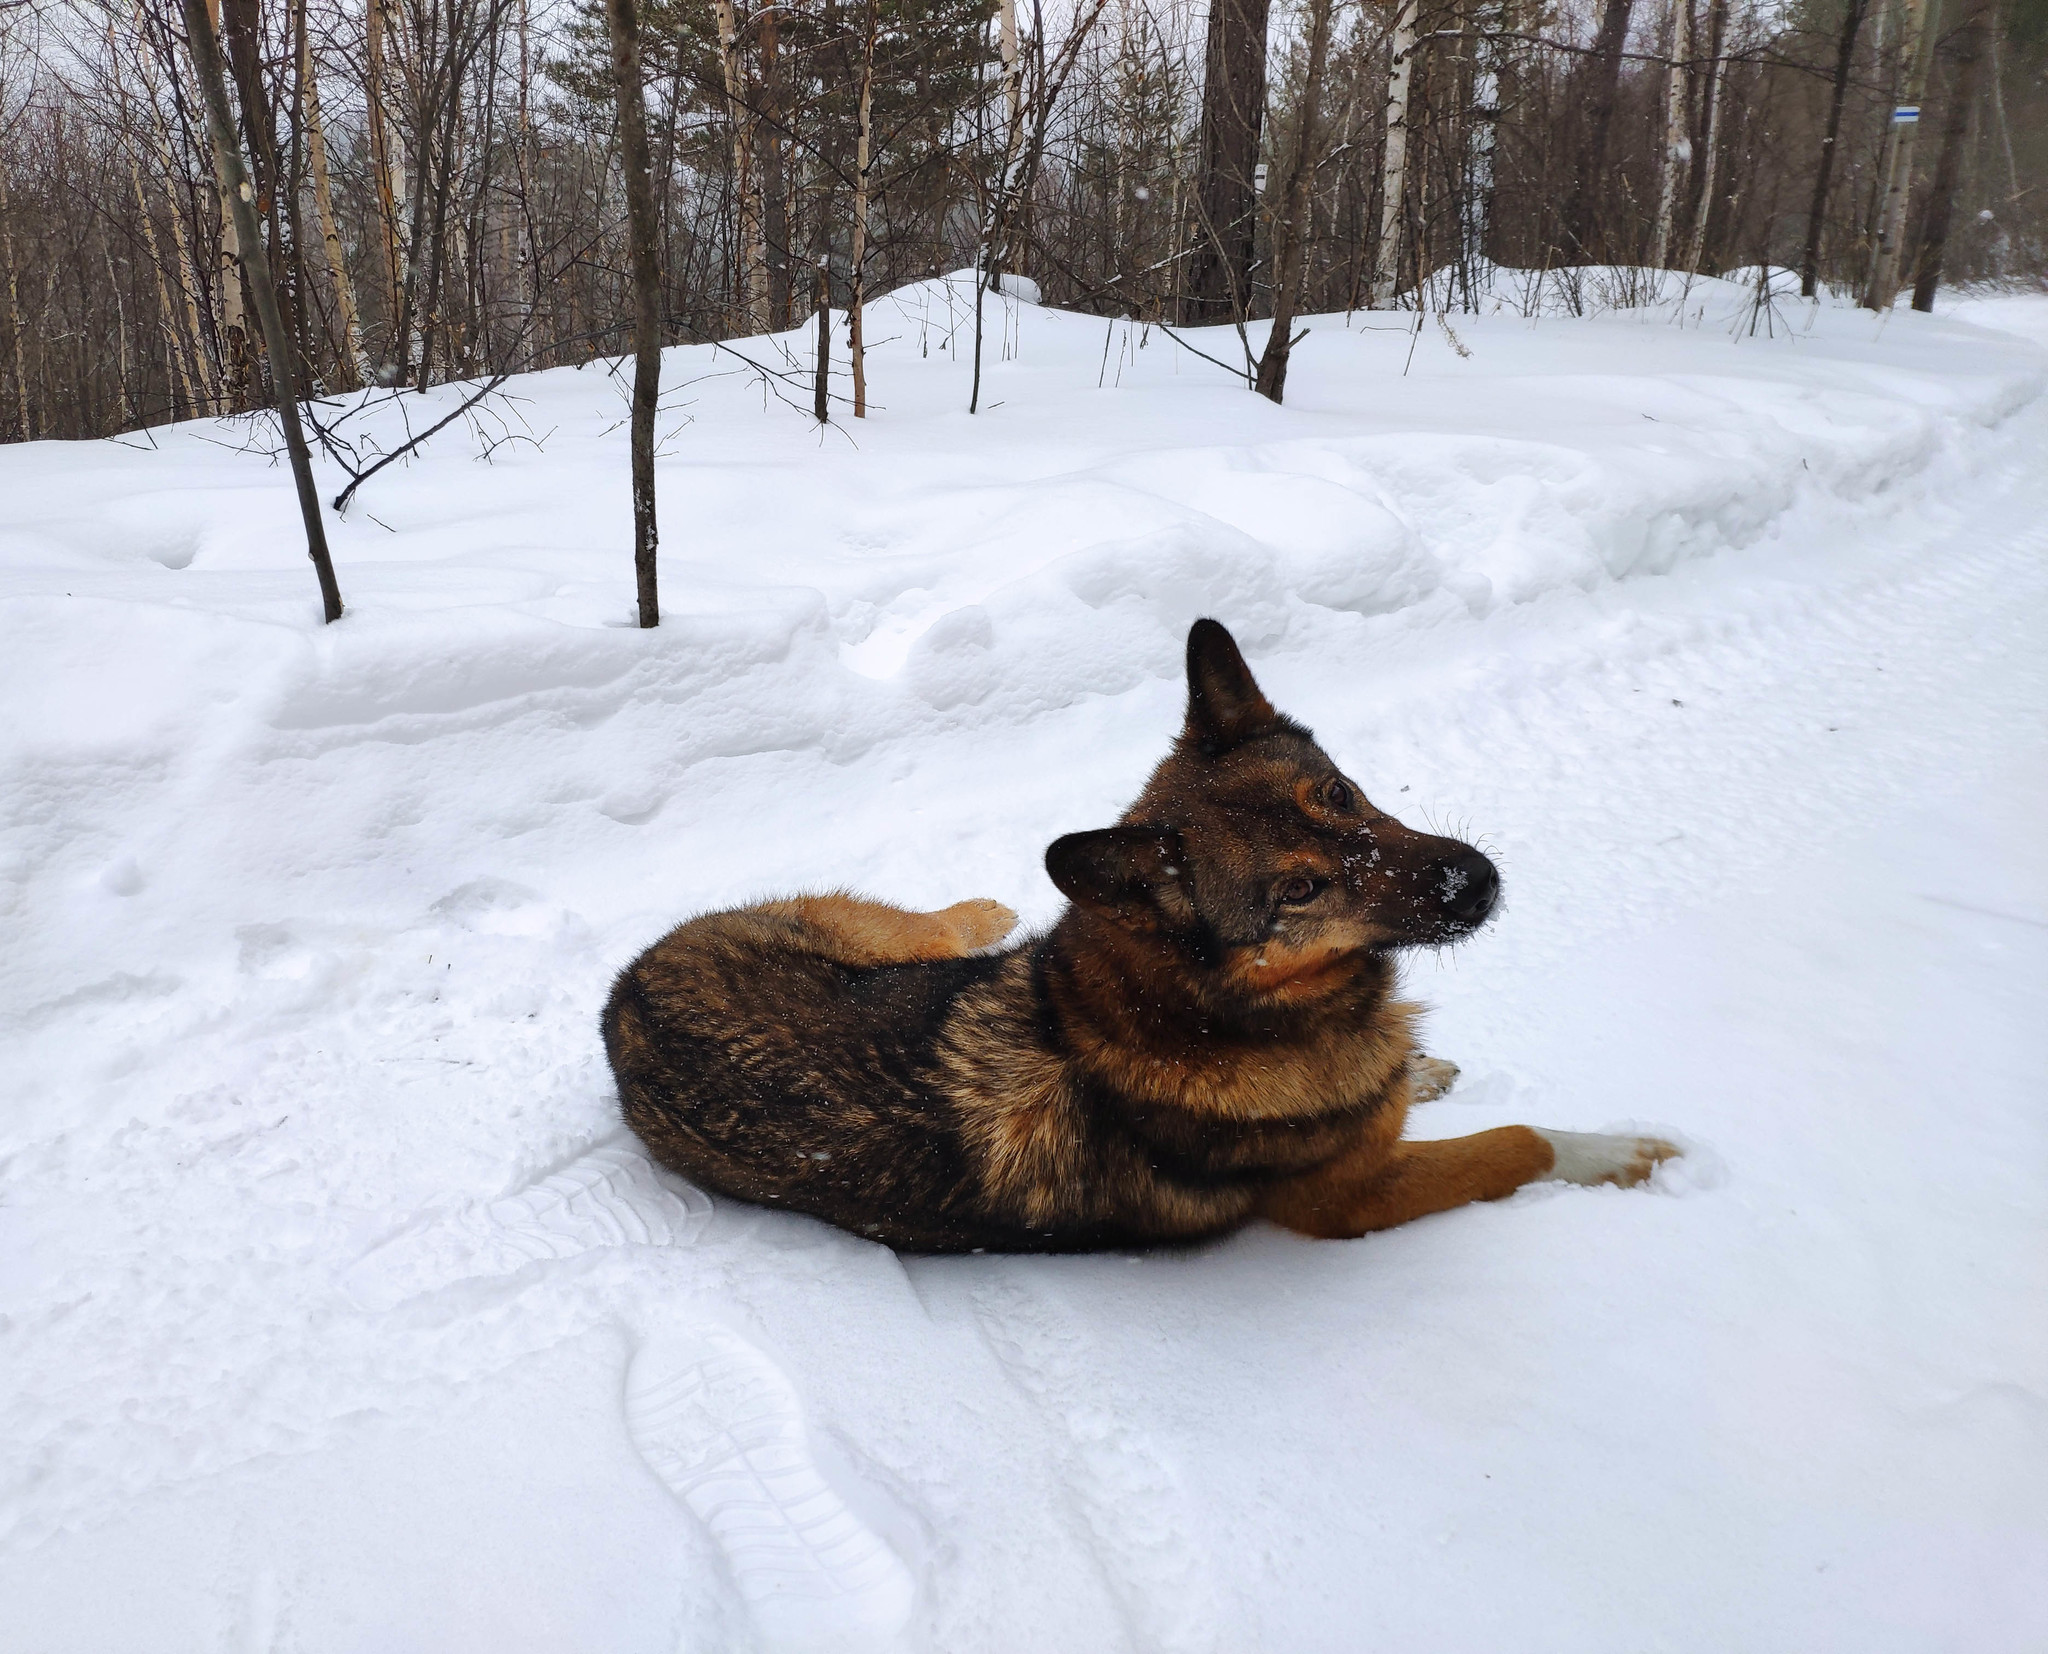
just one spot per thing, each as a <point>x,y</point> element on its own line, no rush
<point>1897,169</point>
<point>353,360</point>
<point>1710,144</point>
<point>1676,150</point>
<point>1386,271</point>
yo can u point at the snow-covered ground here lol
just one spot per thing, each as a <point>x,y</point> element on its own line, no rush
<point>337,1312</point>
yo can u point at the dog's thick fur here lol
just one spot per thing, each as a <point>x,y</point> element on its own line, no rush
<point>1208,1034</point>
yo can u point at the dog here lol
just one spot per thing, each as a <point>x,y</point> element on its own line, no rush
<point>1207,1035</point>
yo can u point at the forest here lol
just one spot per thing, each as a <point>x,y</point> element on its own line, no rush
<point>439,187</point>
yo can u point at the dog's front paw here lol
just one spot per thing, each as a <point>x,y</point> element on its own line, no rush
<point>978,923</point>
<point>1591,1157</point>
<point>1430,1077</point>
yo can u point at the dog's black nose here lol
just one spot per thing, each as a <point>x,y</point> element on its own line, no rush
<point>1469,886</point>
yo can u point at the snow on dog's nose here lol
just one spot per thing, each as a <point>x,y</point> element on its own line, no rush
<point>1469,885</point>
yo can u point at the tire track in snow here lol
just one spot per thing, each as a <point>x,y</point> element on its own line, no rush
<point>1130,1498</point>
<point>611,1196</point>
<point>1689,734</point>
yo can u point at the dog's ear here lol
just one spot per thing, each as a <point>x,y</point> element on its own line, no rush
<point>1225,704</point>
<point>1130,873</point>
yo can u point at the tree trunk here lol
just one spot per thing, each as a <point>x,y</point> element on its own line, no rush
<point>1598,84</point>
<point>1386,269</point>
<point>121,380</point>
<point>821,369</point>
<point>2012,170</point>
<point>188,267</point>
<point>181,384</point>
<point>409,201</point>
<point>774,188</point>
<point>178,378</point>
<point>1482,134</point>
<point>1009,256</point>
<point>1219,279</point>
<point>232,319</point>
<point>1897,169</point>
<point>750,264</point>
<point>1677,144</point>
<point>1816,217</point>
<point>1007,222</point>
<point>446,156</point>
<point>530,254</point>
<point>355,365</point>
<point>13,308</point>
<point>288,207</point>
<point>1292,223</point>
<point>855,347</point>
<point>386,176</point>
<point>642,230</point>
<point>234,185</point>
<point>1710,144</point>
<point>1941,197</point>
<point>241,29</point>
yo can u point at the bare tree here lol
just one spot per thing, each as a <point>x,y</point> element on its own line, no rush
<point>752,255</point>
<point>1598,82</point>
<point>775,233</point>
<point>1219,275</point>
<point>355,364</point>
<point>623,18</point>
<point>856,348</point>
<point>821,366</point>
<point>241,197</point>
<point>1968,48</point>
<point>387,174</point>
<point>1823,175</point>
<point>13,290</point>
<point>1292,221</point>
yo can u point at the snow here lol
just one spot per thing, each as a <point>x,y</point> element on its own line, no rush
<point>337,1312</point>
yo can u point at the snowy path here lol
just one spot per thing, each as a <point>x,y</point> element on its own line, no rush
<point>336,1317</point>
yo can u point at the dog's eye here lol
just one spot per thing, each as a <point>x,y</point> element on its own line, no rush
<point>1298,890</point>
<point>1337,795</point>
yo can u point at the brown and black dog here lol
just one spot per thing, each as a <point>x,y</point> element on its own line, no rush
<point>1207,1035</point>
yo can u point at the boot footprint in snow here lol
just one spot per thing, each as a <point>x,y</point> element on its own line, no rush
<point>722,1426</point>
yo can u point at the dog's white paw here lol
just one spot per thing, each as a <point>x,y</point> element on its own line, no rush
<point>1590,1157</point>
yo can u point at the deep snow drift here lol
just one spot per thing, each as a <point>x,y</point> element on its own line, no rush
<point>337,1313</point>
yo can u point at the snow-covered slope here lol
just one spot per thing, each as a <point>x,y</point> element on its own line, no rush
<point>337,1313</point>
